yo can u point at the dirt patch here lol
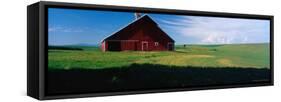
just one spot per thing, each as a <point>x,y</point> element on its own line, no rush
<point>225,62</point>
<point>201,56</point>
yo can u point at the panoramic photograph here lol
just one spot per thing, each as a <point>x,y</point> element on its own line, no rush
<point>108,51</point>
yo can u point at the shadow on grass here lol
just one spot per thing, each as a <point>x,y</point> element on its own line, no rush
<point>147,76</point>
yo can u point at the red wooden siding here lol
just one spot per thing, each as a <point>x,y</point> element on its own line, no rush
<point>140,35</point>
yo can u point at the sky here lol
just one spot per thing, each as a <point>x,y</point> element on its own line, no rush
<point>75,26</point>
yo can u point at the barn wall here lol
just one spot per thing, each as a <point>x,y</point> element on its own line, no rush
<point>143,31</point>
<point>129,45</point>
<point>103,46</point>
<point>152,35</point>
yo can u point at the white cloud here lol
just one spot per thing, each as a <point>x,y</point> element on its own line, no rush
<point>64,29</point>
<point>218,30</point>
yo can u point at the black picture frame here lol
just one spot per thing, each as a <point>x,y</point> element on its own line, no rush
<point>37,40</point>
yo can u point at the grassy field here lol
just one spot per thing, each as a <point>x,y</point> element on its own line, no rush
<point>70,68</point>
<point>231,55</point>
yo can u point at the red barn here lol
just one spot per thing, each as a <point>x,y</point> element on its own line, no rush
<point>143,34</point>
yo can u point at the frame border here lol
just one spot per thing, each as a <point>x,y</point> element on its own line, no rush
<point>43,43</point>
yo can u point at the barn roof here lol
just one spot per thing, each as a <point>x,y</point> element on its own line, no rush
<point>145,17</point>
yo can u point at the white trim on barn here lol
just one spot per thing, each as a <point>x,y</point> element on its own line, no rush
<point>142,45</point>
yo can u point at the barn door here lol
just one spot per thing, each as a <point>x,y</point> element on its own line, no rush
<point>144,46</point>
<point>114,45</point>
<point>170,46</point>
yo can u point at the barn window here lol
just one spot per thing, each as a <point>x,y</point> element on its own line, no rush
<point>156,43</point>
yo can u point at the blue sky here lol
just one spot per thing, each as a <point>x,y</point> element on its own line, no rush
<point>72,26</point>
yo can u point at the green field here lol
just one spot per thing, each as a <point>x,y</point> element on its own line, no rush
<point>228,55</point>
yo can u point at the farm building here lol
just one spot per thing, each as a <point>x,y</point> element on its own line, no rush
<point>143,34</point>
